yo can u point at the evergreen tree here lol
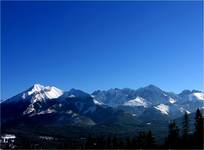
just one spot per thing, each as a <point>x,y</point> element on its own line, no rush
<point>100,142</point>
<point>121,143</point>
<point>108,142</point>
<point>198,134</point>
<point>173,137</point>
<point>128,143</point>
<point>134,143</point>
<point>90,142</point>
<point>185,132</point>
<point>150,140</point>
<point>115,142</point>
<point>141,140</point>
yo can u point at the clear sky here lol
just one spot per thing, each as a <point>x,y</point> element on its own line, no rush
<point>101,45</point>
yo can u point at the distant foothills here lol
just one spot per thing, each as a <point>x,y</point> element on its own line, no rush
<point>148,117</point>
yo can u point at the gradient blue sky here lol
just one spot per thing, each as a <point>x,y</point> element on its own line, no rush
<point>100,45</point>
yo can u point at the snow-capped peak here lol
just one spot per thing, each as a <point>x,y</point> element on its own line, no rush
<point>162,108</point>
<point>138,101</point>
<point>36,88</point>
<point>40,92</point>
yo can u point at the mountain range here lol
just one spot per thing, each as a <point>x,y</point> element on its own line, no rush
<point>120,111</point>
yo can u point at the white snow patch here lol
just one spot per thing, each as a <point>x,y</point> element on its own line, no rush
<point>184,110</point>
<point>8,136</point>
<point>72,96</point>
<point>53,92</point>
<point>48,111</point>
<point>199,96</point>
<point>162,108</point>
<point>30,109</point>
<point>97,102</point>
<point>74,115</point>
<point>69,112</point>
<point>138,101</point>
<point>24,95</point>
<point>171,100</point>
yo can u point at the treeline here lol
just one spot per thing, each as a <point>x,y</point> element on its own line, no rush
<point>176,139</point>
<point>143,140</point>
<point>184,138</point>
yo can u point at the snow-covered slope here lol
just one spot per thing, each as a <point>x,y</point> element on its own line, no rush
<point>138,101</point>
<point>197,96</point>
<point>164,109</point>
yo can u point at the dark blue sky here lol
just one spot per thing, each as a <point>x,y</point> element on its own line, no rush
<point>99,45</point>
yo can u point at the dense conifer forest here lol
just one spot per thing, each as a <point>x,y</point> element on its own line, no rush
<point>177,138</point>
